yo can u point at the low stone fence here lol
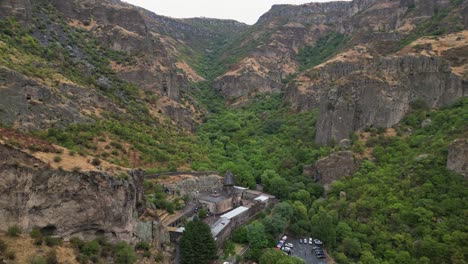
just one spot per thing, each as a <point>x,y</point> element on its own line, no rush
<point>179,173</point>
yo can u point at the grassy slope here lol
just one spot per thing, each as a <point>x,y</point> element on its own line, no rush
<point>156,143</point>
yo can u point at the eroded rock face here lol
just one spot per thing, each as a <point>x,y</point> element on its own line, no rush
<point>457,159</point>
<point>333,167</point>
<point>379,94</point>
<point>20,9</point>
<point>29,105</point>
<point>66,203</point>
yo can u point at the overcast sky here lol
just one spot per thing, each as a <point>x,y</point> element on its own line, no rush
<point>247,11</point>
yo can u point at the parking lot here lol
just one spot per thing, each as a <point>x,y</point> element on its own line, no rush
<point>304,251</point>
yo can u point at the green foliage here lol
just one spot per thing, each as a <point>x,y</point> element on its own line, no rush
<point>229,248</point>
<point>145,246</point>
<point>38,260</point>
<point>57,159</point>
<point>262,137</point>
<point>272,256</point>
<point>239,235</point>
<point>35,233</point>
<point>14,231</point>
<point>202,214</point>
<point>90,248</point>
<point>52,241</point>
<point>197,245</point>
<point>405,206</point>
<point>324,48</point>
<point>124,254</point>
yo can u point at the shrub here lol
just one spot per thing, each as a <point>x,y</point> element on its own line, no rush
<point>52,241</point>
<point>159,257</point>
<point>124,254</point>
<point>38,241</point>
<point>57,159</point>
<point>10,255</point>
<point>72,153</point>
<point>76,169</point>
<point>202,214</point>
<point>142,246</point>
<point>91,248</point>
<point>37,260</point>
<point>14,231</point>
<point>76,242</point>
<point>3,246</point>
<point>51,257</point>
<point>123,176</point>
<point>96,162</point>
<point>35,233</point>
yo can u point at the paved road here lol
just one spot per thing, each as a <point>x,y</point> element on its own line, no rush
<point>304,251</point>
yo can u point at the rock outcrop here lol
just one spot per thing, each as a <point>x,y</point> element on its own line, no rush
<point>380,94</point>
<point>29,105</point>
<point>66,203</point>
<point>333,167</point>
<point>279,35</point>
<point>457,159</point>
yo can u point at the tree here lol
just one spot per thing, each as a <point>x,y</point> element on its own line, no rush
<point>256,235</point>
<point>323,226</point>
<point>272,256</point>
<point>197,244</point>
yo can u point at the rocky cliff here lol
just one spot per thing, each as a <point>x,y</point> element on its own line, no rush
<point>380,94</point>
<point>66,203</point>
<point>275,41</point>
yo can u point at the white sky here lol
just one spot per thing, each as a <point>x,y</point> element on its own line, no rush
<point>247,11</point>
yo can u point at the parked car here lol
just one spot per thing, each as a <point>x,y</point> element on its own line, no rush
<point>318,242</point>
<point>286,249</point>
<point>300,240</point>
<point>284,238</point>
<point>280,244</point>
<point>290,245</point>
<point>310,241</point>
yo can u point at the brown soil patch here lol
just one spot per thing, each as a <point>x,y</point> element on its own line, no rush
<point>390,132</point>
<point>189,72</point>
<point>355,54</point>
<point>24,249</point>
<point>70,163</point>
<point>80,24</point>
<point>26,142</point>
<point>47,153</point>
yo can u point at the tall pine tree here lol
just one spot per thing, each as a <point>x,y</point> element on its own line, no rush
<point>197,244</point>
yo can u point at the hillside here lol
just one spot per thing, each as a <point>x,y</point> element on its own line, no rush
<point>352,113</point>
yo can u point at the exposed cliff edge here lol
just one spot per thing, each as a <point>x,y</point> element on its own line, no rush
<point>66,203</point>
<point>380,94</point>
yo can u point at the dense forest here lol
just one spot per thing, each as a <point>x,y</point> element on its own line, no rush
<point>402,206</point>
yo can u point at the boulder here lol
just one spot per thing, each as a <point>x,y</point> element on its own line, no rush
<point>333,167</point>
<point>457,159</point>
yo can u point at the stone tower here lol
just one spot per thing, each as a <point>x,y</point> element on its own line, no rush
<point>228,185</point>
